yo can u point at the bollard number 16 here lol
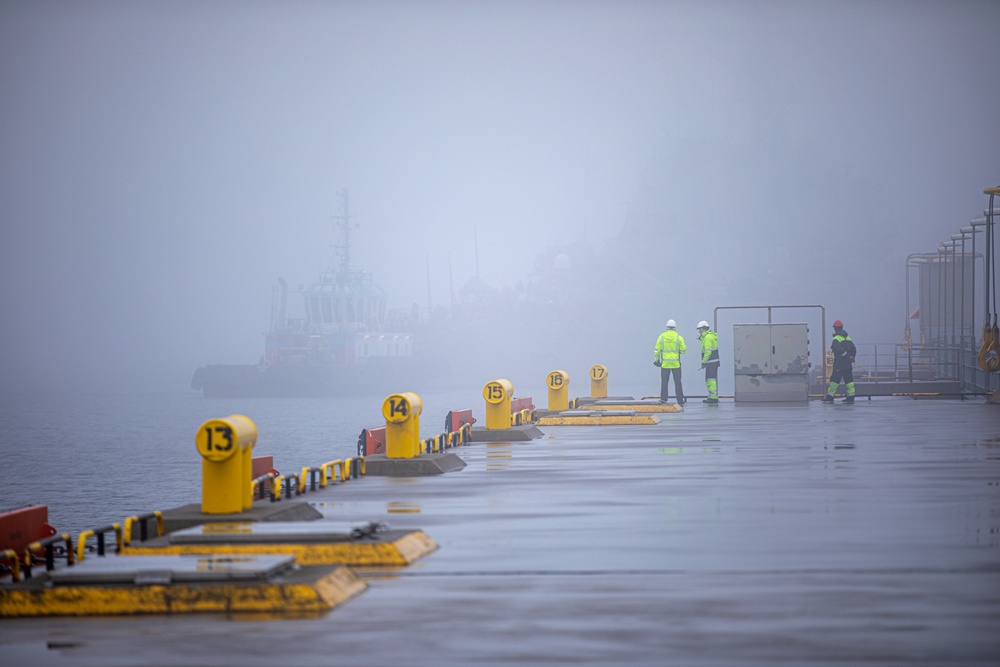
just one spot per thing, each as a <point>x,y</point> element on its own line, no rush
<point>555,380</point>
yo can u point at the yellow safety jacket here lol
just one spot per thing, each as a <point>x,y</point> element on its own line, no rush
<point>669,348</point>
<point>709,348</point>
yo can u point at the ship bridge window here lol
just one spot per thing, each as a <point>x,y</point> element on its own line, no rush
<point>327,310</point>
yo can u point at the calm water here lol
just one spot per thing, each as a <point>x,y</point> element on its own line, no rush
<point>96,459</point>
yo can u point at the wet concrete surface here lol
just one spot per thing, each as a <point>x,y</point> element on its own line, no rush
<point>729,535</point>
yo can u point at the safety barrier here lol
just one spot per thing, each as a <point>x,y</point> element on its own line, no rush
<point>263,484</point>
<point>81,541</point>
<point>10,562</point>
<point>306,480</point>
<point>48,547</point>
<point>284,485</point>
<point>442,441</point>
<point>348,468</point>
<point>143,520</point>
<point>522,411</point>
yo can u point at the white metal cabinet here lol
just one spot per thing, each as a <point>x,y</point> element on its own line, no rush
<point>771,362</point>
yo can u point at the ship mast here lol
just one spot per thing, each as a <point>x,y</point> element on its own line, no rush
<point>345,247</point>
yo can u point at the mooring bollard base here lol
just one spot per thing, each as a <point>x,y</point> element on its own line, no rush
<point>379,465</point>
<point>188,516</point>
<point>521,433</point>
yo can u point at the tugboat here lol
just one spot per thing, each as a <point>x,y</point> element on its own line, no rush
<point>332,337</point>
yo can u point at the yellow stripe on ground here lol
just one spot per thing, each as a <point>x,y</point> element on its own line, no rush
<point>624,420</point>
<point>402,551</point>
<point>329,589</point>
<point>653,407</point>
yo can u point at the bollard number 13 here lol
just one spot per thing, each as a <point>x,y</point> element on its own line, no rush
<point>216,441</point>
<point>227,438</point>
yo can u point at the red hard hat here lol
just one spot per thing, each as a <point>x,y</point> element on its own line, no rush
<point>837,324</point>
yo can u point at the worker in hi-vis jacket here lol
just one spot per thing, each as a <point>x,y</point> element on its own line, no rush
<point>710,361</point>
<point>844,352</point>
<point>667,356</point>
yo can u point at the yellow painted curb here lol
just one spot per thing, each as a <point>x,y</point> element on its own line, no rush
<point>623,420</point>
<point>401,551</point>
<point>316,589</point>
<point>655,407</point>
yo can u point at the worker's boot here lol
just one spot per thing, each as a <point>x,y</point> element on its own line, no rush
<point>711,401</point>
<point>849,400</point>
<point>827,398</point>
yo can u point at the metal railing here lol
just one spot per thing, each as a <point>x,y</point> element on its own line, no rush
<point>903,362</point>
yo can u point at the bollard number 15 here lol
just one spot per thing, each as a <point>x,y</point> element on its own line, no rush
<point>493,392</point>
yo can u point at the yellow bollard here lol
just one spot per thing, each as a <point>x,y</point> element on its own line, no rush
<point>558,383</point>
<point>598,381</point>
<point>226,448</point>
<point>415,424</point>
<point>402,425</point>
<point>498,394</point>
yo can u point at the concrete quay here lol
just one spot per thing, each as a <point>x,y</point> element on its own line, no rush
<point>724,535</point>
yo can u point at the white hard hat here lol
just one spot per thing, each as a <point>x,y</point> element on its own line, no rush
<point>671,324</point>
<point>703,325</point>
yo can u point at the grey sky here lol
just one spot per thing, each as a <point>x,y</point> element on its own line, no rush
<point>162,163</point>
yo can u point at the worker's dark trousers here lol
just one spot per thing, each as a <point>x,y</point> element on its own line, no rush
<point>665,374</point>
<point>845,373</point>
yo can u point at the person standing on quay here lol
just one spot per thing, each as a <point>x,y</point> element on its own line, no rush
<point>844,352</point>
<point>669,348</point>
<point>710,361</point>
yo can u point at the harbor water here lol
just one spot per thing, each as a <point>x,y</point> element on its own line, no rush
<point>95,459</point>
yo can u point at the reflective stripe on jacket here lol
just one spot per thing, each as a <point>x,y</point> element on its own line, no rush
<point>842,348</point>
<point>669,348</point>
<point>709,347</point>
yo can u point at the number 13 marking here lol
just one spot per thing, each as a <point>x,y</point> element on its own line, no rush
<point>225,432</point>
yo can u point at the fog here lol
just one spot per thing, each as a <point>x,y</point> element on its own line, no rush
<point>162,164</point>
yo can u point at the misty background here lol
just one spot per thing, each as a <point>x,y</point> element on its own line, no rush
<point>162,164</point>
